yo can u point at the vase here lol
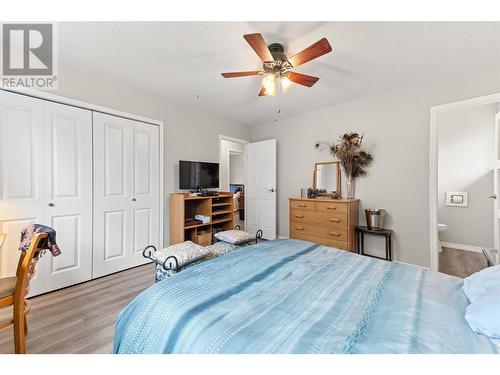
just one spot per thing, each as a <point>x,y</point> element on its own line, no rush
<point>350,187</point>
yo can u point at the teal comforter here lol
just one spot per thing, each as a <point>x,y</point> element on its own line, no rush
<point>289,296</point>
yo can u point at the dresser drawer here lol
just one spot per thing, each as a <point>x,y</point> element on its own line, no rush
<point>303,205</point>
<point>337,234</point>
<point>319,217</point>
<point>320,240</point>
<point>331,206</point>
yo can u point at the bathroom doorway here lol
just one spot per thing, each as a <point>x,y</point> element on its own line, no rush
<point>466,163</point>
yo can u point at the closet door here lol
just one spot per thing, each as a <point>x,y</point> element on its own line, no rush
<point>145,189</point>
<point>21,172</point>
<point>68,194</point>
<point>113,228</point>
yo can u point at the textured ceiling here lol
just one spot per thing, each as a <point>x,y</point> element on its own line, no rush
<point>183,60</point>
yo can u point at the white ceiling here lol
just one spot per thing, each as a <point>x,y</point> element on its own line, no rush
<point>180,60</point>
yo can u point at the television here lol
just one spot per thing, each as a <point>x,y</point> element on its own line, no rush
<point>198,175</point>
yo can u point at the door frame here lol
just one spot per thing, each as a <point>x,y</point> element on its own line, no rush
<point>433,165</point>
<point>230,139</point>
<point>96,108</point>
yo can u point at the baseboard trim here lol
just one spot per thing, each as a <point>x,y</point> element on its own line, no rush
<point>458,246</point>
<point>283,238</point>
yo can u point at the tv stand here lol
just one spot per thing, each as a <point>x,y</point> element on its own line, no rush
<point>184,207</point>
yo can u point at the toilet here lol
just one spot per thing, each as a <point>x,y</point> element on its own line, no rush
<point>441,228</point>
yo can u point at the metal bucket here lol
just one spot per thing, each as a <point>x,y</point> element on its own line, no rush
<point>375,218</point>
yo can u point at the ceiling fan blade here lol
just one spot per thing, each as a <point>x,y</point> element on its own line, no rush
<point>302,79</point>
<point>240,74</point>
<point>259,45</point>
<point>312,52</point>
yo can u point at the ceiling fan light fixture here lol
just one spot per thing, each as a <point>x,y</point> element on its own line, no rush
<point>285,84</point>
<point>269,85</point>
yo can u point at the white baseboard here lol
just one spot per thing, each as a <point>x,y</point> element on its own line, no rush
<point>458,246</point>
<point>283,238</point>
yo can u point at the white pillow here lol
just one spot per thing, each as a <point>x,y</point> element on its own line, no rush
<point>483,315</point>
<point>185,252</point>
<point>479,283</point>
<point>234,236</point>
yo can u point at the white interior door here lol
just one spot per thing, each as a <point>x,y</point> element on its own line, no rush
<point>21,172</point>
<point>260,189</point>
<point>68,195</point>
<point>496,183</point>
<point>145,189</point>
<point>112,193</point>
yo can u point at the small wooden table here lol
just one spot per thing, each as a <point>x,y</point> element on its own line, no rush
<point>387,233</point>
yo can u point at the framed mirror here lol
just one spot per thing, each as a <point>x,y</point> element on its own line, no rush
<point>327,176</point>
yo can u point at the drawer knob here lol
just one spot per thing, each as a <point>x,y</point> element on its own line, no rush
<point>299,228</point>
<point>302,205</point>
<point>299,216</point>
<point>331,208</point>
<point>336,234</point>
<point>335,220</point>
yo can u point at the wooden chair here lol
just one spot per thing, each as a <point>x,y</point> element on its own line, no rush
<point>13,291</point>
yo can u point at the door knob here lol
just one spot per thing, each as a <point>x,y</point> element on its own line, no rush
<point>272,190</point>
<point>51,205</point>
<point>134,200</point>
<point>492,196</point>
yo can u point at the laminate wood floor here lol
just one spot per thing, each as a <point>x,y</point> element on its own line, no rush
<point>460,263</point>
<point>80,318</point>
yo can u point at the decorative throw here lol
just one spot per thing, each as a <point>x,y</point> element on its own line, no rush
<point>28,233</point>
<point>235,237</point>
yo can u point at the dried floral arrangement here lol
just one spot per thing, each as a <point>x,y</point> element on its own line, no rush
<point>353,159</point>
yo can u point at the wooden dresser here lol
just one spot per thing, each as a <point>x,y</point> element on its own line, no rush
<point>329,222</point>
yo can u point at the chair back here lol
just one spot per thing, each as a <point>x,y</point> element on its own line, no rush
<point>26,266</point>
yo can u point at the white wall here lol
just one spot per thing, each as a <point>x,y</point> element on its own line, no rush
<point>237,169</point>
<point>189,135</point>
<point>465,163</point>
<point>226,147</point>
<point>396,128</point>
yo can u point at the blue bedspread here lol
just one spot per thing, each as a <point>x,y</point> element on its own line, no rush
<point>290,296</point>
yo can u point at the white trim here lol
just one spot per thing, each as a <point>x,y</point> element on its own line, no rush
<point>433,165</point>
<point>283,238</point>
<point>77,103</point>
<point>459,246</point>
<point>96,108</point>
<point>237,140</point>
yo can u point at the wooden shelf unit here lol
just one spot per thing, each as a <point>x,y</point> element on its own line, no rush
<point>183,206</point>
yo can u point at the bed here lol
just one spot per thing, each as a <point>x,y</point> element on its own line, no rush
<point>291,296</point>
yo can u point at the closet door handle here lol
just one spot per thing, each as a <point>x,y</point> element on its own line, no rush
<point>336,234</point>
<point>51,205</point>
<point>335,220</point>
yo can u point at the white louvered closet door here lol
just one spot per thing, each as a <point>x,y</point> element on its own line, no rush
<point>126,192</point>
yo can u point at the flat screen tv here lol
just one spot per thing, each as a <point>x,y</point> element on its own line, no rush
<point>198,175</point>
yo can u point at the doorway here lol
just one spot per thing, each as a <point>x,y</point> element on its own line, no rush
<point>233,174</point>
<point>464,183</point>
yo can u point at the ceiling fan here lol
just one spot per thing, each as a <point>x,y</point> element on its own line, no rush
<point>277,67</point>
